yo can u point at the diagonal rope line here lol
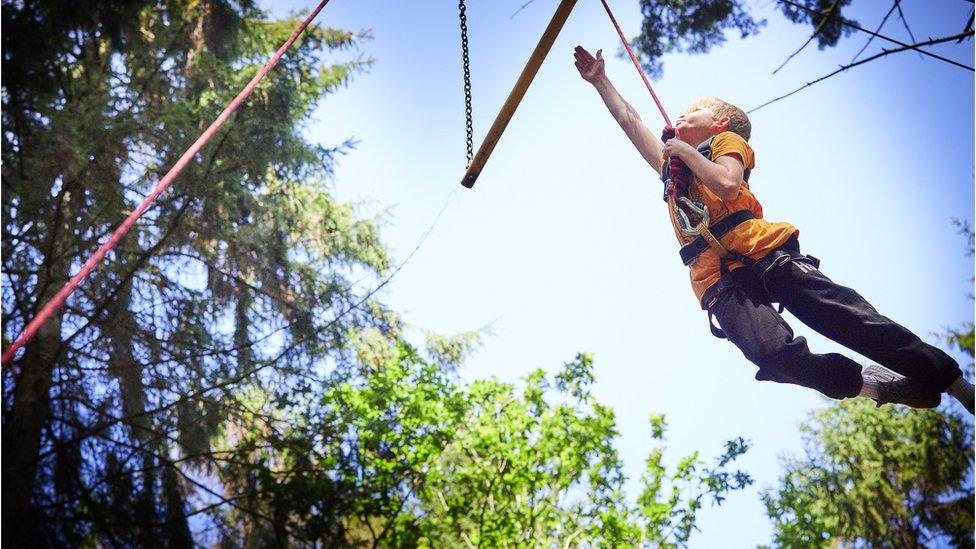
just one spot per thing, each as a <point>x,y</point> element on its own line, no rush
<point>51,306</point>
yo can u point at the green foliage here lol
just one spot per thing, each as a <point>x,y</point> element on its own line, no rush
<point>824,16</point>
<point>879,477</point>
<point>669,502</point>
<point>525,468</point>
<point>963,339</point>
<point>451,351</point>
<point>697,26</point>
<point>410,457</point>
<point>692,26</point>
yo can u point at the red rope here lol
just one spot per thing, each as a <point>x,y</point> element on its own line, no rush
<point>633,58</point>
<point>51,306</point>
<point>679,172</point>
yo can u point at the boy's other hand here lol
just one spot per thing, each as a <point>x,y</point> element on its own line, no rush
<point>676,147</point>
<point>589,67</point>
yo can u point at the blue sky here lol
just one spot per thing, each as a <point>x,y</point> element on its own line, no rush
<point>564,244</point>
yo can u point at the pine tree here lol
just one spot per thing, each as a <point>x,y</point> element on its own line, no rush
<point>241,273</point>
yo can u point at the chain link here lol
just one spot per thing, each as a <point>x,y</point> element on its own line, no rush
<point>469,124</point>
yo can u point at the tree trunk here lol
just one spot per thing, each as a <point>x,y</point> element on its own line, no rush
<point>120,326</point>
<point>22,432</point>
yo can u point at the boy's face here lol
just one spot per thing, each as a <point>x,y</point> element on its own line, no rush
<point>698,123</point>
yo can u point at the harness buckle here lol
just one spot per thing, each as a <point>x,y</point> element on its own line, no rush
<point>684,222</point>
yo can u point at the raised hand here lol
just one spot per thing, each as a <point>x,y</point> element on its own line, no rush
<point>589,67</point>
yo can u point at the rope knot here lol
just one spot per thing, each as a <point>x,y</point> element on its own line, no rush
<point>679,172</point>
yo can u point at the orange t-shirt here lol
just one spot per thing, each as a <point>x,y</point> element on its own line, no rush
<point>753,238</point>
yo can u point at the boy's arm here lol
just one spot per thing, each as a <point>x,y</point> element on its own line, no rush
<point>591,69</point>
<point>723,176</point>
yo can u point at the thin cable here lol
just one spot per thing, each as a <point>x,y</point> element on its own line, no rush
<point>633,58</point>
<point>51,306</point>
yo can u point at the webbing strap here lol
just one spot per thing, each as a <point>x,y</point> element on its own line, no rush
<point>712,240</point>
<point>51,306</point>
<point>718,229</point>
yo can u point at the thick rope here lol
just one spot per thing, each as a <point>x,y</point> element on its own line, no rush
<point>51,306</point>
<point>640,70</point>
<point>679,173</point>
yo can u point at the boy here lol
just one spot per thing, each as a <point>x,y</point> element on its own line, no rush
<point>740,264</point>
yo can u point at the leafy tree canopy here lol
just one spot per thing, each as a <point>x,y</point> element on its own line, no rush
<point>697,26</point>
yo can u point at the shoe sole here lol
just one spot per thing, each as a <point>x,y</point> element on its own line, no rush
<point>881,373</point>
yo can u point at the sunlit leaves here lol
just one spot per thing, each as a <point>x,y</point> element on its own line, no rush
<point>883,477</point>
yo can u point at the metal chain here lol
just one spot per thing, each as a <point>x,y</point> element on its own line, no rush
<point>469,125</point>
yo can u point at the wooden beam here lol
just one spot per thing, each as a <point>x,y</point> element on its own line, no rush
<point>515,97</point>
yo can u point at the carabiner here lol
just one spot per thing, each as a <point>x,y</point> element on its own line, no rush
<point>684,223</point>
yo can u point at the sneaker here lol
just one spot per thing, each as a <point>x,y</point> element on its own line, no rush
<point>962,391</point>
<point>897,389</point>
<point>881,373</point>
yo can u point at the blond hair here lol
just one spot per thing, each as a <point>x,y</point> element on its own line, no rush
<point>738,121</point>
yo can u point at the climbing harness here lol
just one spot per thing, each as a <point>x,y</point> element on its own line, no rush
<point>710,234</point>
<point>518,91</point>
<point>55,302</point>
<point>466,64</point>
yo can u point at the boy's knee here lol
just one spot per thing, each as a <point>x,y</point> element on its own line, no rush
<point>779,361</point>
<point>776,367</point>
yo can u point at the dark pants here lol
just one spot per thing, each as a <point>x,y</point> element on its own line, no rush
<point>744,311</point>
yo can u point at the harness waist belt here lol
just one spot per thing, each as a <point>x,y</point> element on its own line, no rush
<point>718,229</point>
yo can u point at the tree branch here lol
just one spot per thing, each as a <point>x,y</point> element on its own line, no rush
<point>969,22</point>
<point>238,378</point>
<point>166,462</point>
<point>861,62</point>
<point>522,7</point>
<point>140,261</point>
<point>901,15</point>
<point>236,278</point>
<point>871,39</point>
<point>829,14</point>
<point>915,46</point>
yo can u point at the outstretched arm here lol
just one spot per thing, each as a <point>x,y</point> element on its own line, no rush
<point>592,70</point>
